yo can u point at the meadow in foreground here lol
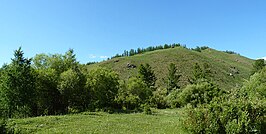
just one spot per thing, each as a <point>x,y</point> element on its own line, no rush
<point>161,121</point>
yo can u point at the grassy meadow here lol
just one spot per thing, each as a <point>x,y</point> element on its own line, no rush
<point>161,121</point>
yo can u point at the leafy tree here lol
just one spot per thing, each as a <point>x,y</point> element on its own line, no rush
<point>146,74</point>
<point>103,84</point>
<point>54,73</point>
<point>133,94</point>
<point>173,78</point>
<point>71,86</point>
<point>60,63</point>
<point>18,87</point>
<point>49,100</point>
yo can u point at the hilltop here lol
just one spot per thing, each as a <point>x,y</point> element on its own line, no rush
<point>228,70</point>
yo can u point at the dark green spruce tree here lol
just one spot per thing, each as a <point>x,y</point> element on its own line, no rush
<point>147,75</point>
<point>18,87</point>
<point>173,78</point>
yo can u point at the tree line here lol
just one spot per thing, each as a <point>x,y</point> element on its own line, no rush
<point>132,52</point>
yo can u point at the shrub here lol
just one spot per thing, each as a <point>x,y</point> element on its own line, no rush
<point>103,84</point>
<point>172,99</point>
<point>147,109</point>
<point>133,94</point>
<point>158,98</point>
<point>200,93</point>
<point>239,111</point>
<point>234,115</point>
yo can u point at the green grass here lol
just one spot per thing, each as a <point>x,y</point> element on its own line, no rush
<point>221,64</point>
<point>162,121</point>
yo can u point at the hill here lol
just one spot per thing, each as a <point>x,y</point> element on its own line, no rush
<point>227,70</point>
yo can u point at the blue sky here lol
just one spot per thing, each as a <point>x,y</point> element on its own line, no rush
<point>99,28</point>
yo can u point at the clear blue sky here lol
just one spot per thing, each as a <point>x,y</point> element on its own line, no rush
<point>99,28</point>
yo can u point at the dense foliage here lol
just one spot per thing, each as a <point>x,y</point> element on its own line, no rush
<point>239,111</point>
<point>18,92</point>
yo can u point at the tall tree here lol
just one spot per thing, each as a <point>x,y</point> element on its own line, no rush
<point>71,87</point>
<point>103,84</point>
<point>146,74</point>
<point>173,78</point>
<point>18,87</point>
<point>198,73</point>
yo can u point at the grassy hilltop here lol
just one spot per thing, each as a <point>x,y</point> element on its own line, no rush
<point>221,65</point>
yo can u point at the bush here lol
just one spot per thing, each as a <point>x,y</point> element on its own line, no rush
<point>200,93</point>
<point>239,111</point>
<point>147,109</point>
<point>103,85</point>
<point>133,94</point>
<point>158,98</point>
<point>234,115</point>
<point>172,99</point>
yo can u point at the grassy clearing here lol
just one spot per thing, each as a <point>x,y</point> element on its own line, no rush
<point>162,121</point>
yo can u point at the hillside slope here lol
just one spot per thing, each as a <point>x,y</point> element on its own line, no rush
<point>228,70</point>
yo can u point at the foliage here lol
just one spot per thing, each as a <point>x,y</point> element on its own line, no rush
<point>49,100</point>
<point>230,115</point>
<point>258,65</point>
<point>199,49</point>
<point>240,111</point>
<point>72,87</point>
<point>172,99</point>
<point>173,78</point>
<point>158,99</point>
<point>132,52</point>
<point>134,94</point>
<point>103,84</point>
<point>2,126</point>
<point>146,74</point>
<point>200,93</point>
<point>18,87</point>
<point>198,74</point>
<point>138,90</point>
<point>231,52</point>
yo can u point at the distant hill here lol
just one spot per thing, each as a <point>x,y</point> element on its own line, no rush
<point>228,70</point>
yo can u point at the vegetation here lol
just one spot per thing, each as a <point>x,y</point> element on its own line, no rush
<point>58,84</point>
<point>173,78</point>
<point>238,111</point>
<point>219,64</point>
<point>258,65</point>
<point>132,52</point>
<point>231,52</point>
<point>162,121</point>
